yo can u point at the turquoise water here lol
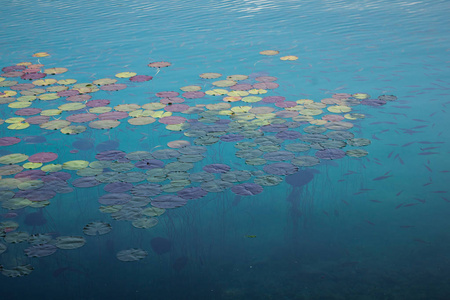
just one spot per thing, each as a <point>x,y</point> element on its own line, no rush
<point>374,227</point>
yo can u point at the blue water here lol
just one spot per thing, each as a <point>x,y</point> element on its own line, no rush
<point>374,227</point>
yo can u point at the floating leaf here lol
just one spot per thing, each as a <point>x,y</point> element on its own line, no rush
<point>131,255</point>
<point>97,228</point>
<point>70,242</point>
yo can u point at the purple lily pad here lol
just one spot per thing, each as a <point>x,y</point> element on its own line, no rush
<point>141,78</point>
<point>32,76</point>
<point>266,85</point>
<point>79,98</point>
<point>286,104</point>
<point>176,107</point>
<point>113,115</point>
<point>330,154</point>
<point>113,87</point>
<point>266,78</point>
<point>171,100</point>
<point>118,187</point>
<point>280,169</point>
<point>29,111</point>
<point>13,68</point>
<point>36,195</point>
<point>86,182</point>
<point>114,199</point>
<point>168,201</point>
<point>146,190</point>
<point>68,93</point>
<point>149,164</point>
<point>193,95</point>
<point>36,120</point>
<point>247,189</point>
<point>172,120</point>
<point>273,99</point>
<point>241,87</point>
<point>232,137</point>
<point>31,174</point>
<point>22,86</point>
<point>110,155</point>
<point>167,94</point>
<point>216,168</point>
<point>43,157</point>
<point>191,193</point>
<point>288,135</point>
<point>97,103</point>
<point>9,140</point>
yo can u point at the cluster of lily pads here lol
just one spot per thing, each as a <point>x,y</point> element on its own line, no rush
<point>274,135</point>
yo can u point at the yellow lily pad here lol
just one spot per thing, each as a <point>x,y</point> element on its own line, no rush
<point>251,99</point>
<point>160,114</point>
<point>257,91</point>
<point>289,57</point>
<point>26,98</point>
<point>210,75</point>
<point>54,71</point>
<point>104,124</point>
<point>55,124</point>
<point>238,93</point>
<point>126,107</point>
<point>216,92</point>
<point>49,96</point>
<point>269,52</point>
<point>224,83</point>
<point>56,88</point>
<point>191,88</point>
<point>104,81</point>
<point>125,74</point>
<point>52,168</point>
<point>51,112</point>
<point>40,54</point>
<point>14,158</point>
<point>339,109</point>
<point>153,106</point>
<point>73,129</point>
<point>232,99</point>
<point>8,93</point>
<point>18,126</point>
<point>241,109</point>
<point>14,120</point>
<point>67,81</point>
<point>100,109</point>
<point>75,164</point>
<point>32,165</point>
<point>44,82</point>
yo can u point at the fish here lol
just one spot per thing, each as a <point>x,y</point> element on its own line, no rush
<point>399,193</point>
<point>250,236</point>
<point>382,177</point>
<point>410,204</point>
<point>398,206</point>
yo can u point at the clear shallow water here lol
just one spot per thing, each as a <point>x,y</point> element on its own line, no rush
<point>345,244</point>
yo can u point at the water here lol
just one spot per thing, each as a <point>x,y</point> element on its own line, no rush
<point>353,228</point>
